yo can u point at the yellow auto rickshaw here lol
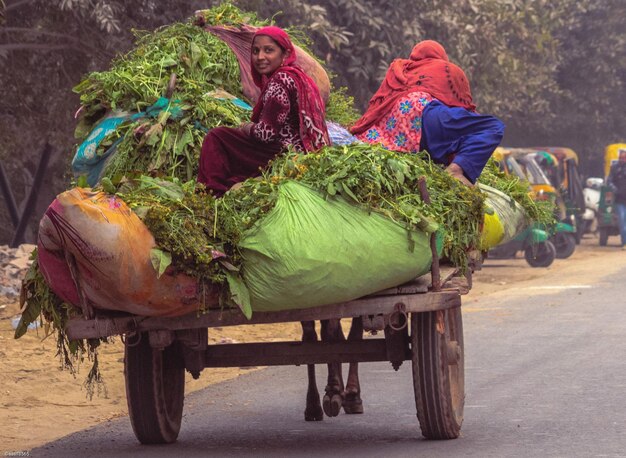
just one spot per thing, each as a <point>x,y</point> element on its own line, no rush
<point>510,163</point>
<point>566,178</point>
<point>534,241</point>
<point>523,162</point>
<point>611,154</point>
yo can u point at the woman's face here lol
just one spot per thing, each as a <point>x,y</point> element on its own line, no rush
<point>267,55</point>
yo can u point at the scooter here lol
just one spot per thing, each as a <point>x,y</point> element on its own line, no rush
<point>534,241</point>
<point>592,192</point>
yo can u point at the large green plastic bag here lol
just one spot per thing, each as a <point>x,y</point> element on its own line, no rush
<point>309,251</point>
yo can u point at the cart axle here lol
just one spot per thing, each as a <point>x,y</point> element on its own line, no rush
<point>299,353</point>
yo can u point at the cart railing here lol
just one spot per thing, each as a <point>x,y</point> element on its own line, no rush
<point>80,328</point>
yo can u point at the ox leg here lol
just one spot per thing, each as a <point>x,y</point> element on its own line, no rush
<point>313,410</point>
<point>333,398</point>
<point>352,402</point>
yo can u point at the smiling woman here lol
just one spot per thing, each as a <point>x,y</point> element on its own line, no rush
<point>267,55</point>
<point>289,112</point>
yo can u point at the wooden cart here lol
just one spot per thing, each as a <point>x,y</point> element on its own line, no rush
<point>421,321</point>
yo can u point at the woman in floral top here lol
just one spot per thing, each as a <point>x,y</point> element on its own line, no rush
<point>289,112</point>
<point>425,103</point>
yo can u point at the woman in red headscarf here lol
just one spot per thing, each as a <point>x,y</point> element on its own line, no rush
<point>289,112</point>
<point>425,103</point>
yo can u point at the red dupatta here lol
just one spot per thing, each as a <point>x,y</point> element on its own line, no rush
<point>311,109</point>
<point>428,70</point>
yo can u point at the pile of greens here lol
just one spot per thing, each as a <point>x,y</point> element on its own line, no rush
<point>156,160</point>
<point>169,143</point>
<point>156,157</point>
<point>189,223</point>
<point>520,192</point>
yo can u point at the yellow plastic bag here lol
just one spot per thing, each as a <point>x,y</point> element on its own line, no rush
<point>505,219</point>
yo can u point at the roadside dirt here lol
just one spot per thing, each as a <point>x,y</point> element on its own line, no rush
<point>41,403</point>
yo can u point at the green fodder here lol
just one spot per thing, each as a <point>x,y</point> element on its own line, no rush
<point>169,142</point>
<point>190,224</point>
<point>156,160</point>
<point>541,212</point>
<point>375,179</point>
<point>39,303</point>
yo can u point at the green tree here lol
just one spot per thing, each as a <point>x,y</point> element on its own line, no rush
<point>46,46</point>
<point>592,79</point>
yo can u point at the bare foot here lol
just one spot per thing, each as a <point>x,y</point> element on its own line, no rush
<point>240,184</point>
<point>457,172</point>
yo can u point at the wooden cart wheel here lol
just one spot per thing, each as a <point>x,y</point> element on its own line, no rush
<point>155,389</point>
<point>438,372</point>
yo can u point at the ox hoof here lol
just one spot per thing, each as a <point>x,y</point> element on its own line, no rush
<point>332,404</point>
<point>353,404</point>
<point>313,414</point>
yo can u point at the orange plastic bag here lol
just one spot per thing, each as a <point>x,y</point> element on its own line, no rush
<point>93,240</point>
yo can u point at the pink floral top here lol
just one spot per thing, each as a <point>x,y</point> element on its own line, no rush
<point>401,129</point>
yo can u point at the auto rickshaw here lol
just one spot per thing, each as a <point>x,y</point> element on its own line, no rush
<point>563,234</point>
<point>538,250</point>
<point>565,177</point>
<point>607,219</point>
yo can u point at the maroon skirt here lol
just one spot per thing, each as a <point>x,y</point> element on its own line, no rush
<point>230,156</point>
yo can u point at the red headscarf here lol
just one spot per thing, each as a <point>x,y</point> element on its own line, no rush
<point>428,70</point>
<point>311,107</point>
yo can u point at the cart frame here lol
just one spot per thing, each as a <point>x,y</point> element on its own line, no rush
<point>421,321</point>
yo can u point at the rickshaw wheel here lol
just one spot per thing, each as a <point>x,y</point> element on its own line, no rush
<point>438,372</point>
<point>155,389</point>
<point>565,244</point>
<point>540,254</point>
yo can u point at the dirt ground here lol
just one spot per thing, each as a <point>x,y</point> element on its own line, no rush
<point>41,403</point>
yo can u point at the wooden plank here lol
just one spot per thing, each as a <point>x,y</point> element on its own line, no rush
<point>459,284</point>
<point>81,329</point>
<point>296,353</point>
<point>416,286</point>
<point>421,284</point>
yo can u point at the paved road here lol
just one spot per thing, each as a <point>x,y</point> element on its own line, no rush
<point>545,377</point>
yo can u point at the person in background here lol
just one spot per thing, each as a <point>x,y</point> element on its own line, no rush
<point>425,103</point>
<point>617,181</point>
<point>289,112</point>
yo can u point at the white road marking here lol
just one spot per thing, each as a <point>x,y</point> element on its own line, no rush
<point>559,287</point>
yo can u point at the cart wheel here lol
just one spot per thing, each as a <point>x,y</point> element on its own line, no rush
<point>155,389</point>
<point>438,372</point>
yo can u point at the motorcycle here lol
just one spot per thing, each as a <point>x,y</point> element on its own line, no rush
<point>592,192</point>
